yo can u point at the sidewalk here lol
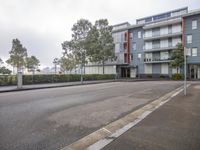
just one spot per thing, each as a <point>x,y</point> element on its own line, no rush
<point>173,126</point>
<point>64,84</point>
<point>49,85</point>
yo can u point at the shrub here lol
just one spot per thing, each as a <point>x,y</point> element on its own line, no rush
<point>46,78</point>
<point>177,76</point>
<point>162,76</point>
<point>8,80</point>
<point>149,76</point>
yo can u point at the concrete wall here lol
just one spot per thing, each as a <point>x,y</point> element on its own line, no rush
<point>99,70</point>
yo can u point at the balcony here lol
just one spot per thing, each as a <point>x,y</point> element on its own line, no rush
<point>166,22</point>
<point>159,49</point>
<point>156,60</point>
<point>162,36</point>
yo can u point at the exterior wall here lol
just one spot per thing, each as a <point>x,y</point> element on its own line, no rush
<point>139,63</point>
<point>195,37</point>
<point>159,35</point>
<point>99,70</point>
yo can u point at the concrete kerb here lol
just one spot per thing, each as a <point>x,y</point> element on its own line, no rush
<point>106,134</point>
<point>76,84</point>
<point>52,86</point>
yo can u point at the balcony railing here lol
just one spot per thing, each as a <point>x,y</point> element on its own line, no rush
<point>160,36</point>
<point>156,60</point>
<point>158,48</point>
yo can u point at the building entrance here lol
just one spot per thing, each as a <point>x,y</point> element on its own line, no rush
<point>125,72</point>
<point>194,71</point>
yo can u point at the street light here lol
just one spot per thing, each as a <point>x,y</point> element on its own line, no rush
<point>55,62</point>
<point>187,52</point>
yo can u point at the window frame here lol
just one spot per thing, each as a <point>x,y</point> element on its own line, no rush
<point>189,42</point>
<point>139,34</point>
<point>194,27</point>
<point>192,54</point>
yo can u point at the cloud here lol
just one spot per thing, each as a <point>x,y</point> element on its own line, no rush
<point>42,25</point>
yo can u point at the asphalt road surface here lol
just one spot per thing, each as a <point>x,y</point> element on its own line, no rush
<point>50,119</point>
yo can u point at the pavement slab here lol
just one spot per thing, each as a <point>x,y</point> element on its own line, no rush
<point>173,126</point>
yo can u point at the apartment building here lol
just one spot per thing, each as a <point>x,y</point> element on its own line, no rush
<point>144,49</point>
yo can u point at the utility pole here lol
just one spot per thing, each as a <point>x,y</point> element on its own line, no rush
<point>187,52</point>
<point>185,71</point>
<point>55,62</point>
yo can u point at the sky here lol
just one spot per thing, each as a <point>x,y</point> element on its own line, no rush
<point>42,25</point>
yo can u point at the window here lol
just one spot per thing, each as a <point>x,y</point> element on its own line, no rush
<point>139,57</point>
<point>139,34</point>
<point>164,55</point>
<point>134,46</point>
<point>189,39</point>
<point>194,24</point>
<point>164,43</point>
<point>175,41</point>
<point>117,48</point>
<point>194,51</point>
<point>176,28</point>
<point>131,56</point>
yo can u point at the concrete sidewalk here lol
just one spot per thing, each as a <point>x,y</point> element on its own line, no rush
<point>173,126</point>
<point>49,85</point>
<point>64,84</point>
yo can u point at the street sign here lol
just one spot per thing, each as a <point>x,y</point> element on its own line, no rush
<point>187,51</point>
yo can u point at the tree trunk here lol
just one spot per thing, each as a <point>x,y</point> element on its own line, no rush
<point>13,69</point>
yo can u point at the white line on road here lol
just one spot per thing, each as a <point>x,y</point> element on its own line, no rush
<point>103,142</point>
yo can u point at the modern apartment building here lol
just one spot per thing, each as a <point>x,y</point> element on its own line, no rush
<point>144,49</point>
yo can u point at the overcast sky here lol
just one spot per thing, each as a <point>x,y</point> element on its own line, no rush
<point>42,25</point>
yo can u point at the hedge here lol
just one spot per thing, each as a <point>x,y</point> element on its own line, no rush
<point>45,78</point>
<point>177,76</point>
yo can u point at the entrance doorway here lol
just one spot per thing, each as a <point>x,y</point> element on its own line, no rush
<point>125,72</point>
<point>194,71</point>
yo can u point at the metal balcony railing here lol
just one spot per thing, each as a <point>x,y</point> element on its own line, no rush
<point>159,35</point>
<point>159,48</point>
<point>156,60</point>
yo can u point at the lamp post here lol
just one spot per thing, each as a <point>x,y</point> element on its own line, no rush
<point>187,52</point>
<point>55,62</point>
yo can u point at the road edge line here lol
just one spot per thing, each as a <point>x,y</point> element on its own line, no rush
<point>100,138</point>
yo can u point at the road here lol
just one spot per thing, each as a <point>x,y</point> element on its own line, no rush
<point>53,118</point>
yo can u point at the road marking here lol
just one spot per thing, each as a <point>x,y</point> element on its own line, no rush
<point>102,137</point>
<point>106,130</point>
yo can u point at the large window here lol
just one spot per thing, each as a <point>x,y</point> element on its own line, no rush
<point>148,33</point>
<point>164,43</point>
<point>189,39</point>
<point>194,51</point>
<point>194,24</point>
<point>131,56</point>
<point>139,57</point>
<point>164,30</point>
<point>134,46</point>
<point>164,55</point>
<point>175,41</point>
<point>139,34</point>
<point>148,45</point>
<point>117,47</point>
<point>176,28</point>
